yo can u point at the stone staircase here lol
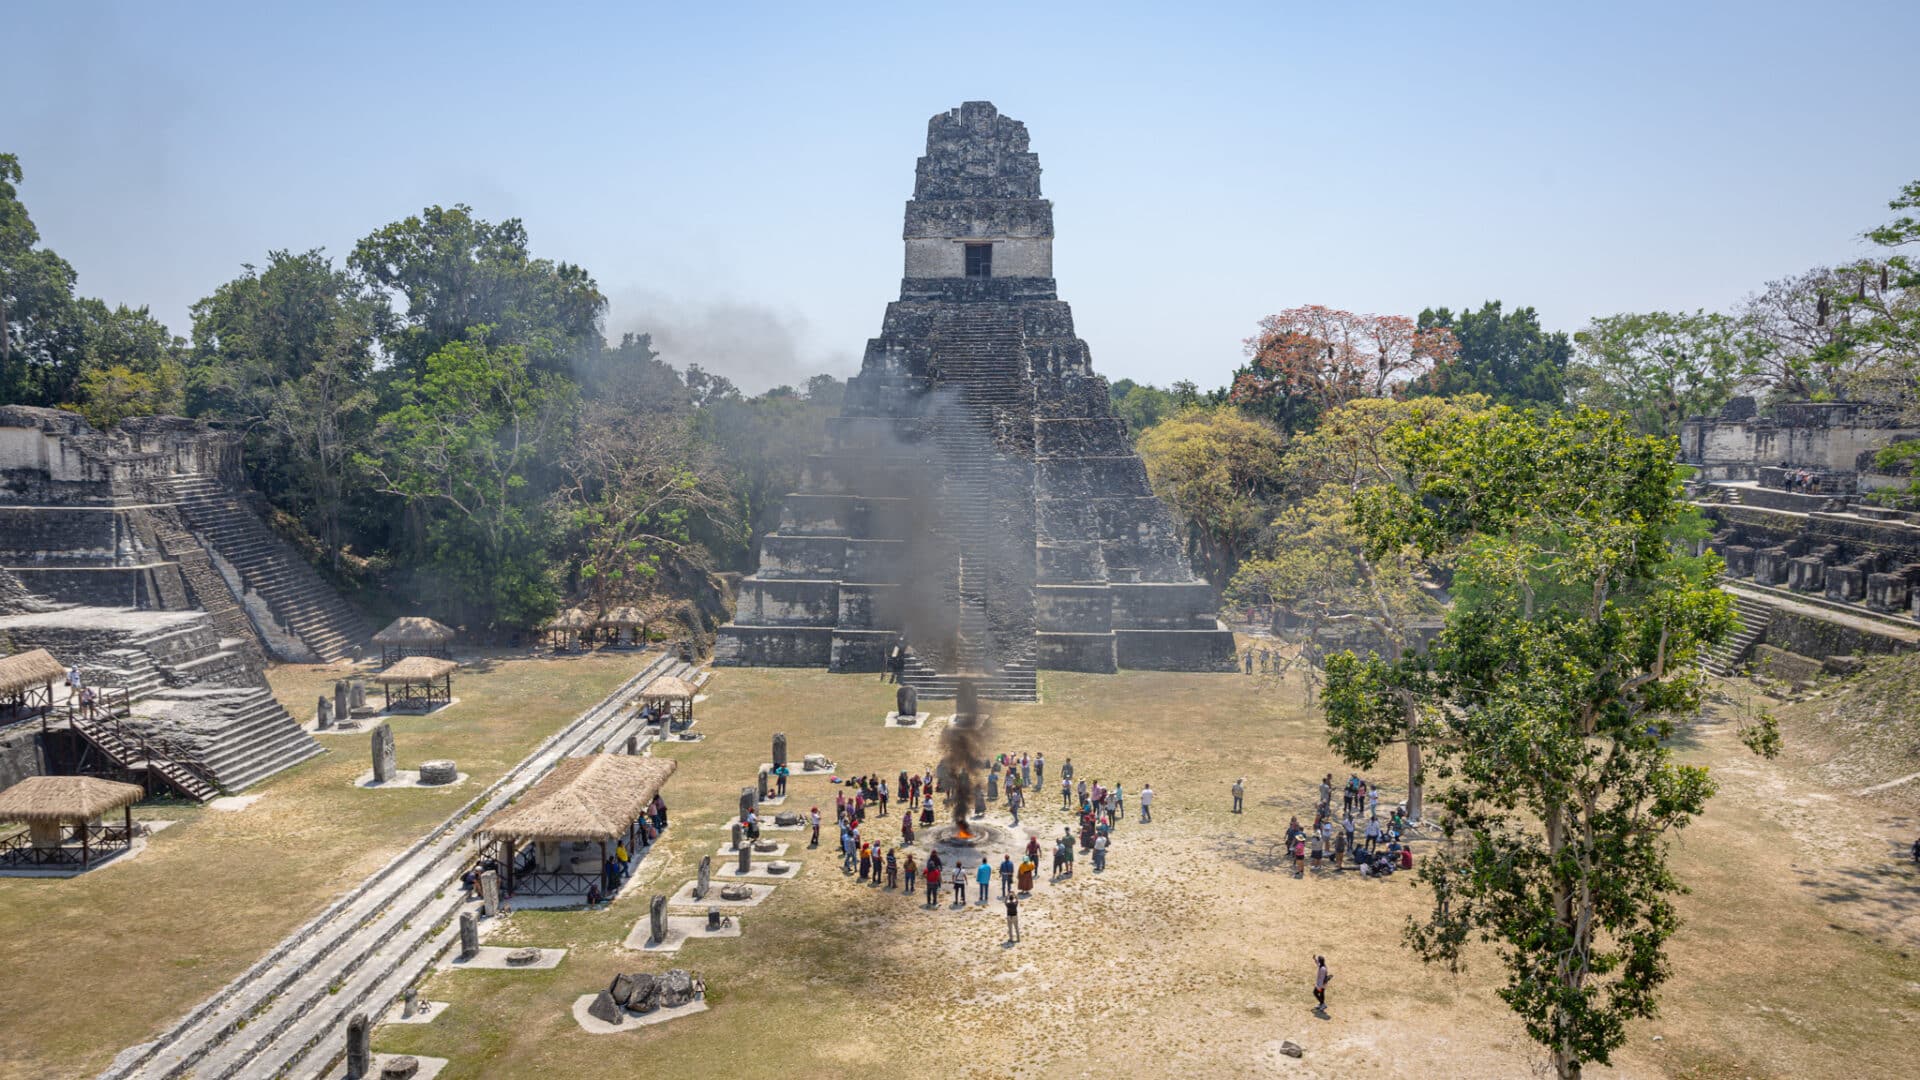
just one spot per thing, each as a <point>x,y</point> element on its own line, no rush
<point>987,420</point>
<point>239,735</point>
<point>129,670</point>
<point>1727,657</point>
<point>136,753</point>
<point>299,597</point>
<point>210,590</point>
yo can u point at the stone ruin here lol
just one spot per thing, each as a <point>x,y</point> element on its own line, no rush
<point>1818,570</point>
<point>642,993</point>
<point>137,554</point>
<point>979,497</point>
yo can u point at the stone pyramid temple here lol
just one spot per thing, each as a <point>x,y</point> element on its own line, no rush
<point>979,502</point>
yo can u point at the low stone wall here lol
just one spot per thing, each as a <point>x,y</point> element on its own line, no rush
<point>773,646</point>
<point>1074,609</point>
<point>1093,653</point>
<point>1174,650</point>
<point>1816,638</point>
<point>1785,666</point>
<point>787,603</point>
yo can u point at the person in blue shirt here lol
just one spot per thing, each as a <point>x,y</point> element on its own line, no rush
<point>1006,876</point>
<point>984,876</point>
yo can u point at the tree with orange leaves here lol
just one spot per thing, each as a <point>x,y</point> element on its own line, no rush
<point>1306,361</point>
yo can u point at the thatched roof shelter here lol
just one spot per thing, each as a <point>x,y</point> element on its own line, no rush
<point>668,687</point>
<point>35,668</point>
<point>51,800</point>
<point>585,798</point>
<point>415,669</point>
<point>414,630</point>
<point>624,617</point>
<point>571,619</point>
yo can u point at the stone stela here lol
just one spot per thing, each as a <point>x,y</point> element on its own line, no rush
<point>977,412</point>
<point>383,760</point>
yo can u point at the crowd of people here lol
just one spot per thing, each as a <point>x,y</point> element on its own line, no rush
<point>1375,848</point>
<point>919,798</point>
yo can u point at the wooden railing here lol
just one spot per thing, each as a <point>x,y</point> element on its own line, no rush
<point>19,850</point>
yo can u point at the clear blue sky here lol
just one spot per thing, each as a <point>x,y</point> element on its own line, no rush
<point>733,175</point>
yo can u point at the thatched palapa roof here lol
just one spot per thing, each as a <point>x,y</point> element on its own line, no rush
<point>416,669</point>
<point>36,668</point>
<point>571,619</point>
<point>624,616</point>
<point>414,630</point>
<point>54,799</point>
<point>667,686</point>
<point>584,798</point>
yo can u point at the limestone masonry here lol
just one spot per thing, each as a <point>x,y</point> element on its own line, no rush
<point>978,498</point>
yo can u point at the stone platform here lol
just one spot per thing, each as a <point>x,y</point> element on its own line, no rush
<point>680,930</point>
<point>633,1021</point>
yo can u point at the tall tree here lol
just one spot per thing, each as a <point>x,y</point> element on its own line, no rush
<point>42,331</point>
<point>288,351</point>
<point>1566,662</point>
<point>131,364</point>
<point>1221,471</point>
<point>1308,360</point>
<point>454,272</point>
<point>1504,356</point>
<point>1660,367</point>
<point>764,442</point>
<point>468,449</point>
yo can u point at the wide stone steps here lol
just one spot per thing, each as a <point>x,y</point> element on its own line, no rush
<point>111,740</point>
<point>1726,658</point>
<point>287,1014</point>
<point>300,599</point>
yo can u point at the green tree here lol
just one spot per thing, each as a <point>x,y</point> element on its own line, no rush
<point>288,351</point>
<point>1566,661</point>
<point>468,448</point>
<point>1222,472</point>
<point>454,272</point>
<point>42,331</point>
<point>1660,367</point>
<point>1504,356</point>
<point>131,364</point>
<point>764,442</point>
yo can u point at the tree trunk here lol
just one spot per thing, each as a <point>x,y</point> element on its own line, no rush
<point>1416,788</point>
<point>1565,1065</point>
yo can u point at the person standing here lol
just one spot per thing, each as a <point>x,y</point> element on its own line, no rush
<point>912,870</point>
<point>893,869</point>
<point>960,885</point>
<point>1321,977</point>
<point>1066,771</point>
<point>1015,800</point>
<point>993,784</point>
<point>1013,919</point>
<point>1040,768</point>
<point>1099,854</point>
<point>906,829</point>
<point>933,885</point>
<point>1373,834</point>
<point>1026,770</point>
<point>1239,793</point>
<point>983,877</point>
<point>1066,793</point>
<point>1146,803</point>
<point>813,817</point>
<point>1006,874</point>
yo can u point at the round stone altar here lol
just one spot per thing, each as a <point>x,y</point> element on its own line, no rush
<point>983,839</point>
<point>438,772</point>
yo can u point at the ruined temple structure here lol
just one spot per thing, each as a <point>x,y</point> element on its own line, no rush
<point>1819,571</point>
<point>979,500</point>
<point>135,555</point>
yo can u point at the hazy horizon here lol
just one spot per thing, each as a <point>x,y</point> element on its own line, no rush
<point>735,182</point>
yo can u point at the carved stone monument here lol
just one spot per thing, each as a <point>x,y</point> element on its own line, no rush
<point>523,957</point>
<point>657,919</point>
<point>408,1001</point>
<point>736,891</point>
<point>816,763</point>
<point>761,784</point>
<point>358,689</point>
<point>489,893</point>
<point>738,836</point>
<point>779,748</point>
<point>438,772</point>
<point>633,746</point>
<point>787,817</point>
<point>324,713</point>
<point>713,919</point>
<point>383,765</point>
<point>400,1067</point>
<point>359,1047</point>
<point>701,886</point>
<point>746,859</point>
<point>469,935</point>
<point>748,800</point>
<point>342,701</point>
<point>906,700</point>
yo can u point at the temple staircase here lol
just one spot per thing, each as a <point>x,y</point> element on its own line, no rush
<point>1726,658</point>
<point>986,419</point>
<point>303,601</point>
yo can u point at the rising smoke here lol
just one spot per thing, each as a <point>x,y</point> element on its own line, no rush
<point>755,346</point>
<point>963,746</point>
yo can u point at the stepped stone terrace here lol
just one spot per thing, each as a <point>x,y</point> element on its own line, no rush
<point>979,500</point>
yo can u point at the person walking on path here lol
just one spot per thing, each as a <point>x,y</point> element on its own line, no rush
<point>1239,793</point>
<point>1013,920</point>
<point>984,877</point>
<point>1321,977</point>
<point>1146,803</point>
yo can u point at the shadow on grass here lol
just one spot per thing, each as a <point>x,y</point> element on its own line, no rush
<point>1884,895</point>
